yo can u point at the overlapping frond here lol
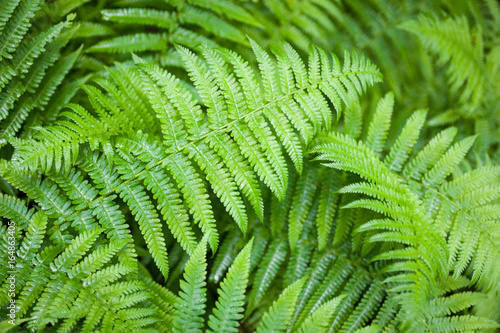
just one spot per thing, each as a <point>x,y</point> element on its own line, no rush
<point>229,306</point>
<point>80,284</point>
<point>453,41</point>
<point>323,211</point>
<point>228,312</point>
<point>297,22</point>
<point>187,23</point>
<point>345,288</point>
<point>463,46</point>
<point>234,150</point>
<point>32,64</point>
<point>421,217</point>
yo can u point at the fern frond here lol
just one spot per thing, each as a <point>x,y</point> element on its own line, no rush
<point>400,204</point>
<point>34,237</point>
<point>117,170</point>
<point>143,16</point>
<point>6,12</point>
<point>319,319</point>
<point>393,199</point>
<point>131,43</point>
<point>301,203</point>
<point>225,256</point>
<point>212,23</point>
<point>160,184</point>
<point>399,152</point>
<point>430,154</point>
<point>188,24</point>
<point>228,9</point>
<point>233,106</point>
<point>449,39</point>
<point>298,22</point>
<point>29,71</point>
<point>278,316</point>
<point>327,207</point>
<point>380,124</point>
<point>92,29</point>
<point>62,285</point>
<point>444,166</point>
<point>229,306</point>
<point>145,214</point>
<point>16,27</point>
<point>268,269</point>
<point>15,209</point>
<point>191,305</point>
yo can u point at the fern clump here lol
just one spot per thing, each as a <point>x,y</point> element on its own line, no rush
<point>249,166</point>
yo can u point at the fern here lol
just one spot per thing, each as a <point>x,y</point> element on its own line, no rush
<point>449,39</point>
<point>137,137</point>
<point>32,65</point>
<point>66,287</point>
<point>276,319</point>
<point>174,23</point>
<point>229,307</point>
<point>232,107</point>
<point>391,198</point>
<point>471,74</point>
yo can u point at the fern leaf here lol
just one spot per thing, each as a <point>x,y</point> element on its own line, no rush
<point>398,201</point>
<point>316,272</point>
<point>268,269</point>
<point>229,306</point>
<point>92,29</point>
<point>225,256</point>
<point>25,54</point>
<point>211,23</point>
<point>168,198</point>
<point>78,248</point>
<point>191,305</point>
<point>149,222</point>
<point>298,262</point>
<point>318,320</point>
<point>272,91</point>
<point>255,123</point>
<point>179,96</point>
<point>379,126</point>
<point>223,186</point>
<point>15,28</point>
<point>15,209</point>
<point>400,150</point>
<point>301,204</point>
<point>96,260</point>
<point>174,133</point>
<point>369,329</point>
<point>243,175</point>
<point>195,194</point>
<point>229,10</point>
<point>277,318</point>
<point>6,10</point>
<point>447,163</point>
<point>338,275</point>
<point>54,77</point>
<point>326,211</point>
<point>143,16</point>
<point>430,154</point>
<point>449,39</point>
<point>34,237</point>
<point>131,43</point>
<point>365,308</point>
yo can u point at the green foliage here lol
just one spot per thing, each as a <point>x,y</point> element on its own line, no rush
<point>79,284</point>
<point>32,66</point>
<point>192,166</point>
<point>235,109</point>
